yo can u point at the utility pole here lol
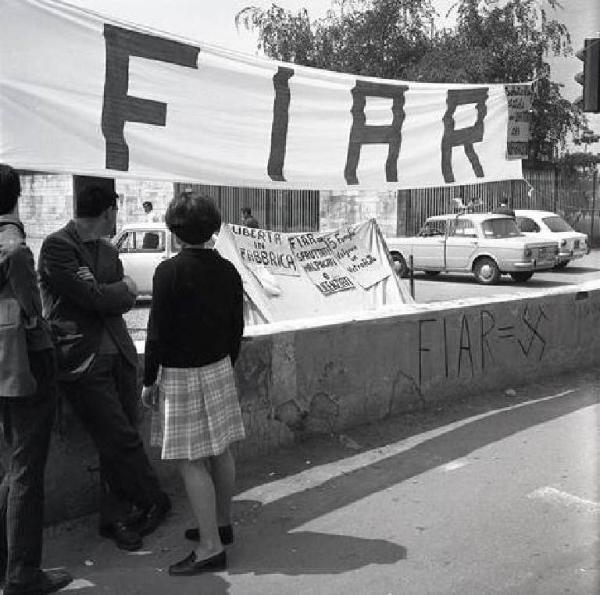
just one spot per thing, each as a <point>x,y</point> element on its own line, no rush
<point>594,181</point>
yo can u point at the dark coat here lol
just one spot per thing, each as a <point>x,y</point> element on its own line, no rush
<point>80,311</point>
<point>22,329</point>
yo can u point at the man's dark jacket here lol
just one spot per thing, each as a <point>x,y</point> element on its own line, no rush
<point>79,311</point>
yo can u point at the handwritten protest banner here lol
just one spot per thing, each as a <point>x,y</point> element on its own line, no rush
<point>350,248</point>
<point>318,261</point>
<point>266,249</point>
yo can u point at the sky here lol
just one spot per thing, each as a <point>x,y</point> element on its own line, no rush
<point>213,22</point>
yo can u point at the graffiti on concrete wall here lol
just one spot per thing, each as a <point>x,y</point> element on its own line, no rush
<point>472,346</point>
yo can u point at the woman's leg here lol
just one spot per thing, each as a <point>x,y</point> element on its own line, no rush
<point>222,469</point>
<point>201,495</point>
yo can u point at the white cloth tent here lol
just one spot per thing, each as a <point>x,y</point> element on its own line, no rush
<point>289,275</point>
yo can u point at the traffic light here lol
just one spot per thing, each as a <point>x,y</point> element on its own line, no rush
<point>590,77</point>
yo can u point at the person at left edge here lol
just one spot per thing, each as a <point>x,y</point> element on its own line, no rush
<point>84,296</point>
<point>27,405</point>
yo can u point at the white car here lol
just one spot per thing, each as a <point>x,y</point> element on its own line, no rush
<point>545,225</point>
<point>484,244</point>
<point>142,246</point>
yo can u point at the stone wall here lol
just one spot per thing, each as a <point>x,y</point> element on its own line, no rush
<point>328,374</point>
<point>46,203</point>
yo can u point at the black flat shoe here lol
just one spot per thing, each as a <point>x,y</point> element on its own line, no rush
<point>225,533</point>
<point>188,566</point>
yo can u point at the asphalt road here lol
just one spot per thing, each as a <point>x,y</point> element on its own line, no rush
<point>495,495</point>
<point>450,287</point>
<point>456,286</point>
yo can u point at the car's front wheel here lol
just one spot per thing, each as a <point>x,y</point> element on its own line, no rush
<point>522,276</point>
<point>400,265</point>
<point>486,271</point>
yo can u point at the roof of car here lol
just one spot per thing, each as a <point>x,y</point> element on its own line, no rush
<point>474,216</point>
<point>533,212</point>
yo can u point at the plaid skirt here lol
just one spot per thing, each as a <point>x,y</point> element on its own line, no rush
<point>199,413</point>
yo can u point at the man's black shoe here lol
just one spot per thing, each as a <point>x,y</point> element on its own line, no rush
<point>48,581</point>
<point>125,537</point>
<point>154,516</point>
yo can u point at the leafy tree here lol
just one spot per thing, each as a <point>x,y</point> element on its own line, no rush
<point>397,39</point>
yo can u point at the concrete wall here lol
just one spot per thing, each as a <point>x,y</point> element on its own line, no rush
<point>355,206</point>
<point>329,374</point>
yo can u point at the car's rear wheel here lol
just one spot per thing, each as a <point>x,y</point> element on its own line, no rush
<point>522,276</point>
<point>486,271</point>
<point>400,265</point>
<point>561,265</point>
<point>432,273</point>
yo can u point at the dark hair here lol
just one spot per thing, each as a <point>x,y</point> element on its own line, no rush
<point>148,203</point>
<point>93,200</point>
<point>247,211</point>
<point>10,188</point>
<point>192,217</point>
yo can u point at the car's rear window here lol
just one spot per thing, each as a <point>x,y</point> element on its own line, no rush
<point>500,228</point>
<point>557,224</point>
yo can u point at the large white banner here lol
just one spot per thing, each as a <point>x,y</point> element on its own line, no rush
<point>84,94</point>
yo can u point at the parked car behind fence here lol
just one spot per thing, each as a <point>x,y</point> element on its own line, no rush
<point>484,244</point>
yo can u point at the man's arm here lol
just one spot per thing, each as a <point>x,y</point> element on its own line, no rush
<point>60,268</point>
<point>23,281</point>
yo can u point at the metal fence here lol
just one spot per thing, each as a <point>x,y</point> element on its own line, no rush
<point>547,189</point>
<point>279,210</point>
<point>567,193</point>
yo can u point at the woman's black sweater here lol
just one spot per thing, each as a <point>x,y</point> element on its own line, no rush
<point>197,314</point>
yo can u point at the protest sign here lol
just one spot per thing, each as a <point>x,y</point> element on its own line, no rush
<point>351,250</point>
<point>314,255</point>
<point>94,96</point>
<point>266,249</point>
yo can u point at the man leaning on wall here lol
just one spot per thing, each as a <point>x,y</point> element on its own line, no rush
<point>85,294</point>
<point>27,405</point>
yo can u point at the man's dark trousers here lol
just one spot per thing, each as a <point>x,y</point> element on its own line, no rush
<point>106,399</point>
<point>27,424</point>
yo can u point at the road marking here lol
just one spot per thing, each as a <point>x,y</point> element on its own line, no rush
<point>320,474</point>
<point>554,496</point>
<point>454,465</point>
<point>78,583</point>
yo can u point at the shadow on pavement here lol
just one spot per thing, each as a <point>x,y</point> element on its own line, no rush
<point>274,523</point>
<point>271,538</point>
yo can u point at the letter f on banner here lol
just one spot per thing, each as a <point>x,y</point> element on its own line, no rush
<point>463,136</point>
<point>119,107</point>
<point>361,134</point>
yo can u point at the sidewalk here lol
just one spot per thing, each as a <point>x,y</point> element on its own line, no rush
<point>297,517</point>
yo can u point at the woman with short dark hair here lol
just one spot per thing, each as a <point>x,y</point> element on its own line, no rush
<point>194,334</point>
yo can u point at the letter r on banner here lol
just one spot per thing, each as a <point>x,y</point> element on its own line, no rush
<point>362,134</point>
<point>118,106</point>
<point>464,136</point>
